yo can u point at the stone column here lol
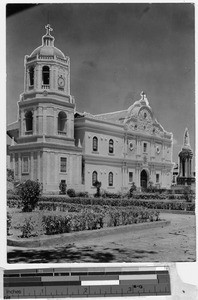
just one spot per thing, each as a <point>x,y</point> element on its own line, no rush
<point>186,167</point>
<point>51,77</point>
<point>190,164</point>
<point>40,81</point>
<point>36,72</point>
<point>187,163</point>
<point>32,165</point>
<point>22,122</point>
<point>27,80</point>
<point>34,121</point>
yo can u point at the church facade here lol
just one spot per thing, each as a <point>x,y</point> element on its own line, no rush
<point>53,143</point>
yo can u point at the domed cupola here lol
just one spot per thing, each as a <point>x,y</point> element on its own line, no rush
<point>47,70</point>
<point>47,48</point>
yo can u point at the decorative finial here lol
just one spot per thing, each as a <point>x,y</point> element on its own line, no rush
<point>48,29</point>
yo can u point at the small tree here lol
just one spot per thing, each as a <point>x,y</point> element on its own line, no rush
<point>62,187</point>
<point>150,187</point>
<point>97,184</point>
<point>132,189</point>
<point>29,192</point>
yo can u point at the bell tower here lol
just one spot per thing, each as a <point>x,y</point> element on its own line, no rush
<point>45,148</point>
<point>47,68</point>
<point>46,107</point>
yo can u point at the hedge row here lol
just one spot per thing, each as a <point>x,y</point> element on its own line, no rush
<point>65,204</point>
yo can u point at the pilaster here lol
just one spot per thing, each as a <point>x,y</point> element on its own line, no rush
<point>44,121</point>
<point>38,166</point>
<point>20,166</point>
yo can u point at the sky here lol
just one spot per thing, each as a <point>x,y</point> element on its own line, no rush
<point>116,51</point>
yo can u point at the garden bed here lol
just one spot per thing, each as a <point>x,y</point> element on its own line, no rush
<point>39,223</point>
<point>45,241</point>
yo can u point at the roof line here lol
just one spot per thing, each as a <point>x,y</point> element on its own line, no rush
<point>113,112</point>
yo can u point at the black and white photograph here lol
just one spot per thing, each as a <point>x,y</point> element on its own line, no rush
<point>100,126</point>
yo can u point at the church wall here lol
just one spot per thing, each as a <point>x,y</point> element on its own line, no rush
<point>103,172</point>
<point>103,144</point>
<point>52,174</point>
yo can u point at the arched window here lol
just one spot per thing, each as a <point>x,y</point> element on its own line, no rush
<point>95,143</point>
<point>94,177</point>
<point>111,146</point>
<point>62,122</point>
<point>110,179</point>
<point>28,122</point>
<point>46,75</point>
<point>31,76</point>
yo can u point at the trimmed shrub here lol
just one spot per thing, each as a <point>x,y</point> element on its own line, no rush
<point>10,175</point>
<point>29,192</point>
<point>97,185</point>
<point>27,228</point>
<point>82,194</point>
<point>57,224</point>
<point>9,222</point>
<point>78,222</point>
<point>71,193</point>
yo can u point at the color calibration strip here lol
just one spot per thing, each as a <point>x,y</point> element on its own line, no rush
<point>85,282</point>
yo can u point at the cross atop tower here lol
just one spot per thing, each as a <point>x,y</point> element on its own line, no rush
<point>143,94</point>
<point>48,29</point>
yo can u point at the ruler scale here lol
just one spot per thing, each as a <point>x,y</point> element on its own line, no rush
<point>85,282</point>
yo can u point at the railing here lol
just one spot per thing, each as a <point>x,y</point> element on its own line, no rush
<point>183,180</point>
<point>45,86</point>
<point>29,132</point>
<point>46,57</point>
<point>61,88</point>
<point>61,132</point>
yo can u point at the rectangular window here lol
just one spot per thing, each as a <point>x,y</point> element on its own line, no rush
<point>25,164</point>
<point>157,178</point>
<point>145,147</point>
<point>130,177</point>
<point>63,164</point>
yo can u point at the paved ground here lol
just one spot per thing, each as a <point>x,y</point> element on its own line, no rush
<point>175,242</point>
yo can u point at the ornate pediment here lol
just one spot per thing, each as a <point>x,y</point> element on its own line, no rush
<point>145,122</point>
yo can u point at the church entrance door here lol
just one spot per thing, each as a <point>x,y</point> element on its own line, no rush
<point>143,179</point>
